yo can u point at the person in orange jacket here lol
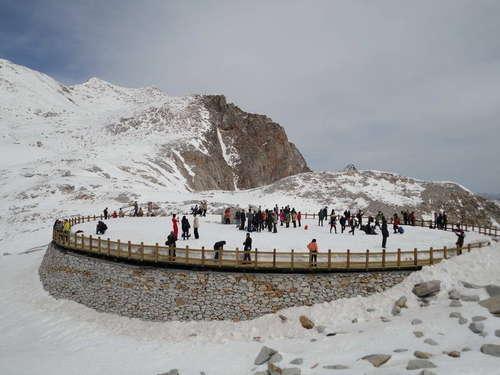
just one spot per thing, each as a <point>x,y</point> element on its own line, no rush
<point>313,252</point>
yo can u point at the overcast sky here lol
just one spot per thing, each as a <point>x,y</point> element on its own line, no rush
<point>411,87</point>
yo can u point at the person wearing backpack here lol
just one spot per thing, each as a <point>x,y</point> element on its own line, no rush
<point>218,247</point>
<point>171,239</point>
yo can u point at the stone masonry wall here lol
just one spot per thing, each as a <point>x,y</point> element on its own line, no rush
<point>152,293</point>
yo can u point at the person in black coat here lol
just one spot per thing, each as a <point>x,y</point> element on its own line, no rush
<point>218,247</point>
<point>385,232</point>
<point>171,239</point>
<point>101,228</point>
<point>247,247</point>
<point>185,228</point>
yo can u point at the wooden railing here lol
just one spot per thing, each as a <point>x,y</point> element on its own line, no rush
<point>269,260</point>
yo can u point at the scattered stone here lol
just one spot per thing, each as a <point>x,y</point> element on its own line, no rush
<point>297,361</point>
<point>264,355</point>
<point>331,334</point>
<point>335,367</point>
<point>478,318</point>
<point>401,302</point>
<point>320,329</point>
<point>454,294</point>
<point>306,322</point>
<point>422,355</point>
<point>276,370</point>
<point>418,334</point>
<point>283,318</point>
<point>469,298</point>
<point>427,288</point>
<point>415,322</point>
<point>466,349</point>
<point>377,360</point>
<point>400,350</point>
<point>492,304</point>
<point>462,320</point>
<point>354,321</point>
<point>275,358</point>
<point>455,314</point>
<point>491,349</point>
<point>470,285</point>
<point>497,332</point>
<point>417,364</point>
<point>171,372</point>
<point>476,327</point>
<point>454,354</point>
<point>395,310</point>
<point>313,340</point>
<point>483,334</point>
<point>493,290</point>
<point>370,309</point>
<point>455,303</point>
<point>384,319</point>
<point>430,341</point>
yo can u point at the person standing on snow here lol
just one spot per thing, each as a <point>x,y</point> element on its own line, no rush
<point>196,226</point>
<point>313,252</point>
<point>170,242</point>
<point>175,226</point>
<point>385,232</point>
<point>185,228</point>
<point>333,222</point>
<point>247,247</point>
<point>299,218</point>
<point>106,214</point>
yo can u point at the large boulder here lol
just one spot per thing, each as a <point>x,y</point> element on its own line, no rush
<point>417,364</point>
<point>491,349</point>
<point>493,290</point>
<point>476,327</point>
<point>377,360</point>
<point>264,355</point>
<point>492,304</point>
<point>427,288</point>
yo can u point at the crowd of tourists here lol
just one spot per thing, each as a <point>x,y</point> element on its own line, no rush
<point>259,219</point>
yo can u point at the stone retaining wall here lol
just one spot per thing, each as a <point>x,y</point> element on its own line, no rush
<point>152,293</point>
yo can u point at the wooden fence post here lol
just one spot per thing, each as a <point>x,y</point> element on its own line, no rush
<point>383,258</point>
<point>367,258</point>
<point>129,249</point>
<point>431,255</point>
<point>291,258</point>
<point>398,261</point>
<point>348,260</point>
<point>274,258</point>
<point>329,258</point>
<point>118,250</point>
<point>203,255</point>
<point>90,243</point>
<point>157,251</point>
<point>256,256</point>
<point>187,254</point>
<point>76,240</point>
<point>109,247</point>
<point>415,257</point>
<point>445,252</point>
<point>99,246</point>
<point>94,217</point>
<point>237,256</point>
<point>142,251</point>
<point>468,248</point>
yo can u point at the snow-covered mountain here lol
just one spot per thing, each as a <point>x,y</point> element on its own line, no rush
<point>68,149</point>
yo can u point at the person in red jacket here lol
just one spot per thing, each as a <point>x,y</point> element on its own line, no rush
<point>175,226</point>
<point>313,252</point>
<point>396,222</point>
<point>299,218</point>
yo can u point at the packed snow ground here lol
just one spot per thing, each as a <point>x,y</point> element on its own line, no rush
<point>151,230</point>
